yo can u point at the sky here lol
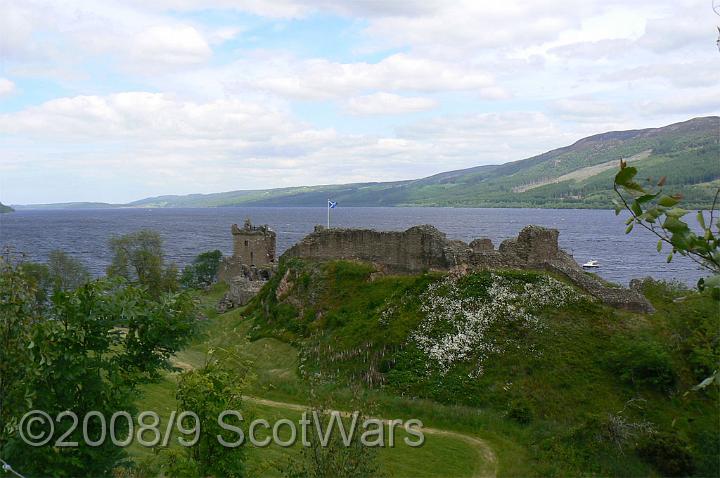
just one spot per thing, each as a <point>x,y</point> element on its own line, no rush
<point>115,101</point>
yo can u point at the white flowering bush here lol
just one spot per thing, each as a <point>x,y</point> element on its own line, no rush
<point>462,315</point>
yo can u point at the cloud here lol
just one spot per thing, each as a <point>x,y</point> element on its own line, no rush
<point>701,102</point>
<point>169,96</point>
<point>152,117</point>
<point>297,9</point>
<point>77,33</point>
<point>6,86</point>
<point>585,109</point>
<point>187,146</point>
<point>388,104</point>
<point>593,50</point>
<point>170,44</point>
<point>684,29</point>
<point>685,74</point>
<point>322,79</point>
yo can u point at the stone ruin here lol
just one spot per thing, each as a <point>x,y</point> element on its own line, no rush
<point>418,249</point>
<point>250,266</point>
<point>423,248</point>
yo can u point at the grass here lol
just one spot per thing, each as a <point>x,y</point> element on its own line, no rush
<point>550,402</point>
<point>548,414</point>
<point>273,364</point>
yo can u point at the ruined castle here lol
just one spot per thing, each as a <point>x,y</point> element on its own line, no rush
<point>418,249</point>
<point>250,266</point>
<point>423,248</point>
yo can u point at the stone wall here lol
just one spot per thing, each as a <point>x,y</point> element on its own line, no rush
<point>253,245</point>
<point>241,291</point>
<point>416,249</point>
<point>423,248</point>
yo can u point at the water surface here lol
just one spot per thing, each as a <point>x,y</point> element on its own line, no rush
<point>587,234</point>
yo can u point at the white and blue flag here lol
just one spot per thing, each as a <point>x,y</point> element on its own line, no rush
<point>331,205</point>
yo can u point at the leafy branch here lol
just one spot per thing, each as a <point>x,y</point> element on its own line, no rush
<point>660,214</point>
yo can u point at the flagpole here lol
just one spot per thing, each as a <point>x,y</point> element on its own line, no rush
<point>328,209</point>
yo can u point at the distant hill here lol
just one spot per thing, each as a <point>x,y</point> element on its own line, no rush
<point>575,176</point>
<point>68,205</point>
<point>4,208</point>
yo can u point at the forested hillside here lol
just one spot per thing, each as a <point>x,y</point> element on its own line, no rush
<point>579,175</point>
<point>575,176</point>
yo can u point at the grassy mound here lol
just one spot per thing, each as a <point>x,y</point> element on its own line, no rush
<point>578,387</point>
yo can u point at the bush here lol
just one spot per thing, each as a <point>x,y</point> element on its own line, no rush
<point>520,412</point>
<point>668,454</point>
<point>203,270</point>
<point>643,363</point>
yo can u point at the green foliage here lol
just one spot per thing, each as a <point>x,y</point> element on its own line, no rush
<point>520,411</point>
<point>660,214</point>
<point>642,363</point>
<point>556,390</point>
<point>62,272</point>
<point>208,392</point>
<point>139,257</point>
<point>38,277</point>
<point>203,270</point>
<point>17,315</point>
<point>66,272</point>
<point>334,458</point>
<point>91,350</point>
<point>668,453</point>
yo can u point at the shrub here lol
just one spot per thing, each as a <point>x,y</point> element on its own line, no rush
<point>520,412</point>
<point>643,363</point>
<point>668,454</point>
<point>203,270</point>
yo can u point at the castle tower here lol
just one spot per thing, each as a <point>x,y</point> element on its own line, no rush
<point>253,245</point>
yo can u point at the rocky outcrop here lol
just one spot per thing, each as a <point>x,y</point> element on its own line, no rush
<point>422,248</point>
<point>241,291</point>
<point>619,297</point>
<point>231,267</point>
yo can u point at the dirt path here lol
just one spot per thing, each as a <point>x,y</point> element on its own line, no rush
<point>485,468</point>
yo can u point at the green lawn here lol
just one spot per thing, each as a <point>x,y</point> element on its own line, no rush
<point>273,365</point>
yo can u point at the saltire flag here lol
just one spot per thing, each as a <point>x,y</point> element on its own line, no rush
<point>332,204</point>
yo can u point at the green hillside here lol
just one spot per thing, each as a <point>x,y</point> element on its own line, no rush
<point>4,208</point>
<point>579,175</point>
<point>556,383</point>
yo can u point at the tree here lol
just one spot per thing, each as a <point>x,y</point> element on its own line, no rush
<point>90,351</point>
<point>38,279</point>
<point>66,272</point>
<point>139,257</point>
<point>203,270</point>
<point>18,312</point>
<point>209,392</point>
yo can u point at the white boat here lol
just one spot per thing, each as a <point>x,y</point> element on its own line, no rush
<point>591,264</point>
